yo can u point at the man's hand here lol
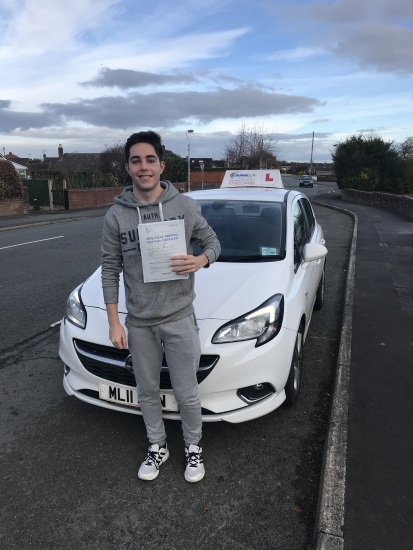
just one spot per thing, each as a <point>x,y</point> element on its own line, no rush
<point>117,333</point>
<point>188,264</point>
<point>117,336</point>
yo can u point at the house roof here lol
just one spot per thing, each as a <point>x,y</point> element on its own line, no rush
<point>18,166</point>
<point>15,164</point>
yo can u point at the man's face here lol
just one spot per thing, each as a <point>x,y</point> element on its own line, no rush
<point>144,167</point>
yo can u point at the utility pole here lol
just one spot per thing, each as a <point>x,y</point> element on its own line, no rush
<point>311,160</point>
<point>201,164</point>
<point>189,160</point>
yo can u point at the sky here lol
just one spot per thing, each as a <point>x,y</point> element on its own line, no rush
<point>89,73</point>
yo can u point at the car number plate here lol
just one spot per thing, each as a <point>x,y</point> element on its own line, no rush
<point>129,396</point>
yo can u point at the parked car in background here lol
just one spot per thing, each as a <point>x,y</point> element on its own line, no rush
<point>306,181</point>
<point>253,306</point>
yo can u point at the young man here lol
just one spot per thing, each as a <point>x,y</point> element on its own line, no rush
<point>160,315</point>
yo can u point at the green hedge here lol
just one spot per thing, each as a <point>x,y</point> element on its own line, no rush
<point>10,182</point>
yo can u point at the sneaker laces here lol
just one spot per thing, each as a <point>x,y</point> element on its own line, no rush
<point>153,457</point>
<point>194,458</point>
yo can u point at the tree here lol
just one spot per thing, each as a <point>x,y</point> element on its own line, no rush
<point>251,147</point>
<point>10,182</point>
<point>68,167</point>
<point>300,168</point>
<point>368,163</point>
<point>112,161</point>
<point>405,149</point>
<point>176,168</point>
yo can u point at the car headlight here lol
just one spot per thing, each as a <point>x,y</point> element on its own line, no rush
<point>262,323</point>
<point>75,310</point>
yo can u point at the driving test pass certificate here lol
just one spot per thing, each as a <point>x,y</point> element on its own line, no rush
<point>159,241</point>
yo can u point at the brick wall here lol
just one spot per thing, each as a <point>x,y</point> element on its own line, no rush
<point>92,198</point>
<point>400,203</point>
<point>211,179</point>
<point>13,206</point>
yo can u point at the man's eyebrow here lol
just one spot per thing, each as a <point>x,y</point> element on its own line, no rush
<point>147,157</point>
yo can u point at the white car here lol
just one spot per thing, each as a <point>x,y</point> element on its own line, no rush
<point>253,306</point>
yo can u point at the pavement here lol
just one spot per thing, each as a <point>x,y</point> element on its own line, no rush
<point>366,490</point>
<point>46,217</point>
<point>366,500</point>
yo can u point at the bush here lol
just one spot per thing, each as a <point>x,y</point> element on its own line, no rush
<point>54,175</point>
<point>369,163</point>
<point>176,168</point>
<point>10,182</point>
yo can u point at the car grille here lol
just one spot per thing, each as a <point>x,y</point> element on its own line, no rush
<point>109,363</point>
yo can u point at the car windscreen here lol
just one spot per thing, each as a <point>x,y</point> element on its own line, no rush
<point>248,231</point>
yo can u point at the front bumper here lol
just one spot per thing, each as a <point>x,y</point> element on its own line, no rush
<point>234,417</point>
<point>240,365</point>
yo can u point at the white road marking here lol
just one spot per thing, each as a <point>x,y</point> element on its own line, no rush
<point>31,242</point>
<point>55,324</point>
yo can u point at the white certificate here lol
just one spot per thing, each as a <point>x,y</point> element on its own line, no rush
<point>159,241</point>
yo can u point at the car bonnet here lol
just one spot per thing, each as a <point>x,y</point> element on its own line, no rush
<point>224,291</point>
<point>227,290</point>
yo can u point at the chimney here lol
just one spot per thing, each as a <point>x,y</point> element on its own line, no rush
<point>60,151</point>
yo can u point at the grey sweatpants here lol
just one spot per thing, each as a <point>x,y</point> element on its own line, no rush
<point>180,342</point>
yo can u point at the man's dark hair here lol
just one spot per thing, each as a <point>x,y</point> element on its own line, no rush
<point>150,137</point>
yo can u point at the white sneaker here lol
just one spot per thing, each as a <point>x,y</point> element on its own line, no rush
<point>154,459</point>
<point>195,470</point>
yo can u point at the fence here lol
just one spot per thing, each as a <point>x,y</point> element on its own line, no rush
<point>38,193</point>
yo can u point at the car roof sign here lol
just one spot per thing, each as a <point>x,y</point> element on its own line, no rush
<point>252,178</point>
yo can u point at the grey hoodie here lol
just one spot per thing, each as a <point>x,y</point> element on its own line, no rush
<point>151,303</point>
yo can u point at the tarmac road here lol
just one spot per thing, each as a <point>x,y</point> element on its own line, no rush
<point>69,470</point>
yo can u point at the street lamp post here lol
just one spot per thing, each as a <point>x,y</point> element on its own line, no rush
<point>201,164</point>
<point>189,160</point>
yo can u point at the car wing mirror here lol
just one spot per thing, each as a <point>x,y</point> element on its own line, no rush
<point>314,251</point>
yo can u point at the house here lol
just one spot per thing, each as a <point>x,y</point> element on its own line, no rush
<point>67,163</point>
<point>20,168</point>
<point>207,163</point>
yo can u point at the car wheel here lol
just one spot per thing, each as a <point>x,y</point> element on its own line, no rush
<point>319,299</point>
<point>293,385</point>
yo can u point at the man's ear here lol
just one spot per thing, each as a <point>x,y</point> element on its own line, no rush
<point>127,168</point>
<point>162,165</point>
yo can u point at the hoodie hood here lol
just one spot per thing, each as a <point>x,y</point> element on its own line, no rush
<point>128,199</point>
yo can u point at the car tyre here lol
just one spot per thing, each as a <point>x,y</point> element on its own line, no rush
<point>293,385</point>
<point>319,298</point>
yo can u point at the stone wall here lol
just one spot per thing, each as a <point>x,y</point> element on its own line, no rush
<point>400,203</point>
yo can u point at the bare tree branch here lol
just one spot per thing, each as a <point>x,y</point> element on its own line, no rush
<point>252,147</point>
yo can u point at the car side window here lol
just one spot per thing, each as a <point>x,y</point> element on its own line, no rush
<point>300,234</point>
<point>309,214</point>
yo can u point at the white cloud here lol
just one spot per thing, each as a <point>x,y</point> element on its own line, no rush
<point>296,54</point>
<point>43,26</point>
